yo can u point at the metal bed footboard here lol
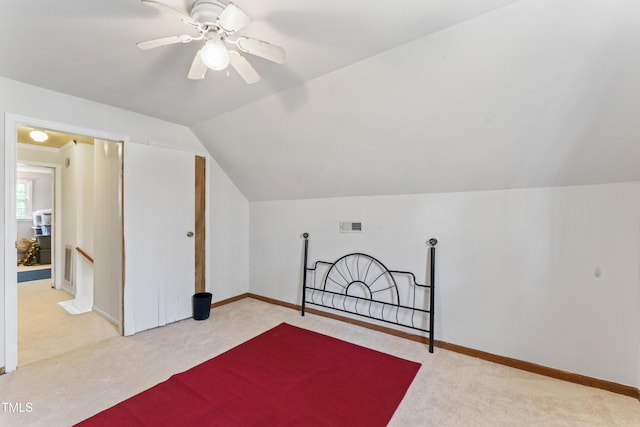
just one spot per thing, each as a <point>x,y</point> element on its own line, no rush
<point>360,284</point>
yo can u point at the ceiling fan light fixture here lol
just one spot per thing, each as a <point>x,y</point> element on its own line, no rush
<point>38,135</point>
<point>215,55</point>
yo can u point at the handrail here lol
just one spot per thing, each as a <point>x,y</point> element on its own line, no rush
<point>84,254</point>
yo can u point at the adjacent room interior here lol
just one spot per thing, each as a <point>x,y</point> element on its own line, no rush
<point>456,175</point>
<point>46,294</point>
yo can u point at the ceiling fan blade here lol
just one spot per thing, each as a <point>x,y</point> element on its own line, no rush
<point>242,66</point>
<point>198,69</point>
<point>232,18</point>
<point>164,41</point>
<point>262,49</point>
<point>168,9</point>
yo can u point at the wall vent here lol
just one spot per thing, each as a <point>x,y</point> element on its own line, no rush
<point>68,266</point>
<point>350,227</point>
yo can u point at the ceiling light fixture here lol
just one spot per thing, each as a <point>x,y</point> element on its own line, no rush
<point>38,135</point>
<point>215,55</point>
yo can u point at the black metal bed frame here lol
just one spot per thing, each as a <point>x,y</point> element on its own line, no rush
<point>349,276</point>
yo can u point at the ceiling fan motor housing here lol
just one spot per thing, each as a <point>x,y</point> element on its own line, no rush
<point>207,11</point>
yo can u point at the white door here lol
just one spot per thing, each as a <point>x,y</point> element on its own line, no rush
<point>159,191</point>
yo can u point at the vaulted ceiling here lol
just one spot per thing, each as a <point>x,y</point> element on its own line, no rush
<point>375,97</point>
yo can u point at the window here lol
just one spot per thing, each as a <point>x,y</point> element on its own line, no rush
<point>23,198</point>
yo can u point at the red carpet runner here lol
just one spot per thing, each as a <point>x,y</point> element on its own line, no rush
<point>287,376</point>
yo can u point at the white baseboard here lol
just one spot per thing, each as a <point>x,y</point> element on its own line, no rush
<point>106,316</point>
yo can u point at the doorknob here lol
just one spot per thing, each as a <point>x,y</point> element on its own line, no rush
<point>189,233</point>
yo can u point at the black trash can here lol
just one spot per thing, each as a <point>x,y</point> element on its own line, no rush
<point>201,305</point>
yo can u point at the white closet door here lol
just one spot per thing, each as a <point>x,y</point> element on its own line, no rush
<point>159,188</point>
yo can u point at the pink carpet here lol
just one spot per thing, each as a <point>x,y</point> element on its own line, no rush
<point>287,376</point>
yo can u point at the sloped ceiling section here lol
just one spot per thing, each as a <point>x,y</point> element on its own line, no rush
<point>88,48</point>
<point>537,93</point>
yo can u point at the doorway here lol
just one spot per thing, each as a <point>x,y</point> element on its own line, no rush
<point>35,241</point>
<point>88,210</point>
<point>63,165</point>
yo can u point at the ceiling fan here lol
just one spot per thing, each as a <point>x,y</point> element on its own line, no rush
<point>216,21</point>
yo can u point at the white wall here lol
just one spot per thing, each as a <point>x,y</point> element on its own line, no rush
<point>43,192</point>
<point>82,176</point>
<point>516,269</point>
<point>77,206</point>
<point>68,196</point>
<point>228,210</point>
<point>24,229</point>
<point>107,243</point>
<point>228,236</point>
<point>37,155</point>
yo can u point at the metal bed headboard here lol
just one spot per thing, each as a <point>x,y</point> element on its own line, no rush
<point>360,284</point>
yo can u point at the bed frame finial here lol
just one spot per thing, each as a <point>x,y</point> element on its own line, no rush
<point>432,242</point>
<point>305,235</point>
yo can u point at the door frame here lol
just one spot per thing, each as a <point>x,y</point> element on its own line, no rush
<point>200,222</point>
<point>57,220</point>
<point>12,121</point>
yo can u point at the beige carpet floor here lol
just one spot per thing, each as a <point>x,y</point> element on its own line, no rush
<point>46,330</point>
<point>449,390</point>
